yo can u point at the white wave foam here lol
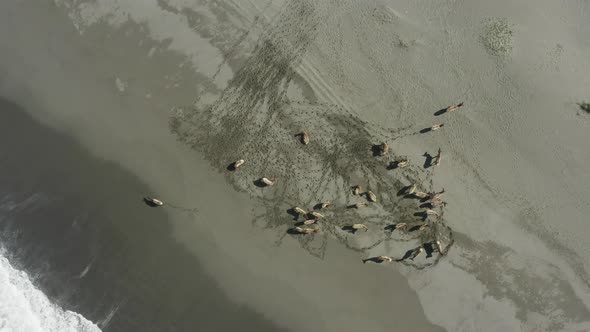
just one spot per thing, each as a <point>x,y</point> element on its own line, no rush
<point>23,308</point>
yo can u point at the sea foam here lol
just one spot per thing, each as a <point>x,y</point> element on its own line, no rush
<point>24,308</point>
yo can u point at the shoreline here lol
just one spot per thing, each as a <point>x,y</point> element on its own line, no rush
<point>287,261</point>
<point>94,247</point>
<point>507,254</point>
<point>244,260</point>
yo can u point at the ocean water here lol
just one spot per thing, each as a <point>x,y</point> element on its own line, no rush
<point>82,251</point>
<point>24,308</point>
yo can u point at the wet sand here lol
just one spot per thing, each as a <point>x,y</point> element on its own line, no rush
<point>77,224</point>
<point>256,267</point>
<point>239,80</point>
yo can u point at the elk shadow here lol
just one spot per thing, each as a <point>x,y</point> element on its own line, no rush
<point>293,231</point>
<point>424,199</point>
<point>425,130</point>
<point>392,165</point>
<point>300,136</point>
<point>407,255</point>
<point>440,112</point>
<point>414,228</point>
<point>428,159</point>
<point>390,228</point>
<point>393,227</point>
<point>429,248</point>
<point>423,215</point>
<point>377,150</point>
<point>259,183</point>
<point>372,259</point>
<point>232,167</point>
<point>317,206</point>
<point>426,205</point>
<point>349,229</point>
<point>293,213</point>
<point>404,190</point>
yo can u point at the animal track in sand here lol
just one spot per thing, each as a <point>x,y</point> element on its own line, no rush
<point>385,14</point>
<point>254,118</point>
<point>497,36</point>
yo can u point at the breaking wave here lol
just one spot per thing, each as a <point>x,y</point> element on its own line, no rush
<point>25,308</point>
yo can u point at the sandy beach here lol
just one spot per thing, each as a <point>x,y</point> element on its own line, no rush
<point>76,225</point>
<point>173,91</point>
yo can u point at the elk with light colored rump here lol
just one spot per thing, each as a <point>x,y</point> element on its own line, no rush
<point>310,221</point>
<point>439,246</point>
<point>304,230</point>
<point>382,149</point>
<point>238,163</point>
<point>420,194</point>
<point>299,211</point>
<point>371,196</point>
<point>360,226</point>
<point>437,126</point>
<point>437,158</point>
<point>423,227</point>
<point>154,201</point>
<point>401,225</point>
<point>304,137</point>
<point>417,252</point>
<point>454,107</point>
<point>432,213</point>
<point>436,196</point>
<point>267,181</point>
<point>438,202</point>
<point>403,163</point>
<point>359,205</point>
<point>315,215</point>
<point>356,190</point>
<point>379,259</point>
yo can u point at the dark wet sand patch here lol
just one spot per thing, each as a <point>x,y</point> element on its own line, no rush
<point>94,247</point>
